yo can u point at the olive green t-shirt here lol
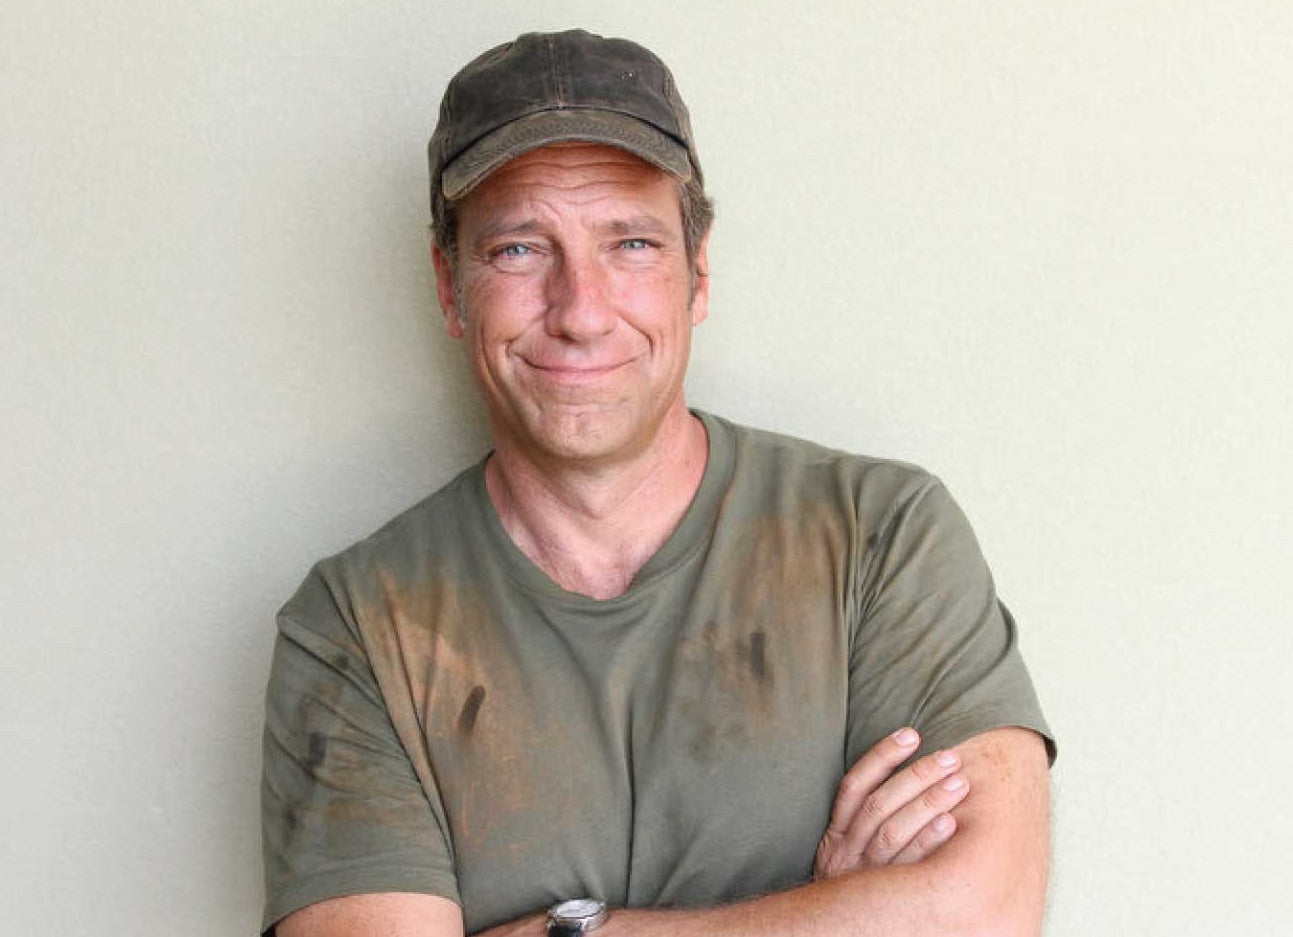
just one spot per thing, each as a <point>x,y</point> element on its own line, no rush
<point>443,718</point>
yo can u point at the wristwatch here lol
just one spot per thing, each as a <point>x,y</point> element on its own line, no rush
<point>576,916</point>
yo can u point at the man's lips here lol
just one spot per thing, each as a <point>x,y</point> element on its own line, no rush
<point>565,372</point>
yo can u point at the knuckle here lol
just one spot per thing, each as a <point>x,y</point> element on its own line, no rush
<point>888,839</point>
<point>933,799</point>
<point>927,769</point>
<point>873,808</point>
<point>923,845</point>
<point>852,786</point>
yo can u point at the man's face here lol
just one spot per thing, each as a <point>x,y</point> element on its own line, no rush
<point>575,295</point>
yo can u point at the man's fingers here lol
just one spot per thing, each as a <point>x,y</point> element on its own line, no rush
<point>891,814</point>
<point>882,815</point>
<point>906,825</point>
<point>909,833</point>
<point>935,833</point>
<point>867,774</point>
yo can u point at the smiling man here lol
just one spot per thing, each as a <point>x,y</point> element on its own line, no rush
<point>641,670</point>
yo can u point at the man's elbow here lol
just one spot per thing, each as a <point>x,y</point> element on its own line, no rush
<point>978,898</point>
<point>998,909</point>
<point>1004,917</point>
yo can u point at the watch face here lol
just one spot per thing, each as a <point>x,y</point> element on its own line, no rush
<point>577,916</point>
<point>577,909</point>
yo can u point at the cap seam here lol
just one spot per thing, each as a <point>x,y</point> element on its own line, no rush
<point>558,86</point>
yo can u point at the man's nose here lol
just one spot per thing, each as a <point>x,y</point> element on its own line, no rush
<point>579,298</point>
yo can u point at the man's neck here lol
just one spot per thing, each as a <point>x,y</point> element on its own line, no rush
<point>591,529</point>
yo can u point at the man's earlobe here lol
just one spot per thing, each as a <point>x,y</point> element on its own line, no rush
<point>445,292</point>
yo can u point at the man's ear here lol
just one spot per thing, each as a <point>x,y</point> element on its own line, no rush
<point>700,292</point>
<point>453,316</point>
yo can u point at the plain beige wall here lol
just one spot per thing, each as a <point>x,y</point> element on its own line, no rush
<point>1044,248</point>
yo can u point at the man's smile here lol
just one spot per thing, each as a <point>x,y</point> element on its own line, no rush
<point>575,373</point>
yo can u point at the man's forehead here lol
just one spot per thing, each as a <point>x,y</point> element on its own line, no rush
<point>604,190</point>
<point>593,160</point>
<point>573,173</point>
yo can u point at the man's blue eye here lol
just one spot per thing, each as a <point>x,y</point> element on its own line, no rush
<point>634,244</point>
<point>515,250</point>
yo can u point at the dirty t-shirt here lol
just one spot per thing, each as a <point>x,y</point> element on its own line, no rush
<point>443,718</point>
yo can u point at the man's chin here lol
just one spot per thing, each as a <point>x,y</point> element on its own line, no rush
<point>586,434</point>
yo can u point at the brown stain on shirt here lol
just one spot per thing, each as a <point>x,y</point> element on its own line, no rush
<point>462,708</point>
<point>470,710</point>
<point>316,750</point>
<point>758,656</point>
<point>770,638</point>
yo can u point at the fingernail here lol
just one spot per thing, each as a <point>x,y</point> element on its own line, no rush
<point>944,824</point>
<point>906,737</point>
<point>953,783</point>
<point>946,759</point>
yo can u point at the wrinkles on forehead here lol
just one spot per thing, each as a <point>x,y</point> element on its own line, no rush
<point>623,196</point>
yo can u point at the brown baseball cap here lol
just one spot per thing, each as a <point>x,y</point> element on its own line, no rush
<point>564,87</point>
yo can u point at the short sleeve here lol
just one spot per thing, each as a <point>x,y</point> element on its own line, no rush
<point>342,810</point>
<point>933,647</point>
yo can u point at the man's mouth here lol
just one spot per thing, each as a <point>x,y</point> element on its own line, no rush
<point>566,373</point>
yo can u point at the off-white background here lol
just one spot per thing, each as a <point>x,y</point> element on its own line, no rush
<point>1045,248</point>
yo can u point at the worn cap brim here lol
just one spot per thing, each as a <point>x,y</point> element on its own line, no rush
<point>581,125</point>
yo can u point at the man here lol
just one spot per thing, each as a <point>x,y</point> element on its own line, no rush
<point>630,656</point>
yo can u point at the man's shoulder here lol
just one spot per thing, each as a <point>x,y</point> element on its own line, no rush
<point>429,534</point>
<point>770,459</point>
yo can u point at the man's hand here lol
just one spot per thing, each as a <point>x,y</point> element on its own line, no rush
<point>885,818</point>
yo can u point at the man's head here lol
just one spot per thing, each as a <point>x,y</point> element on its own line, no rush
<point>570,223</point>
<point>549,88</point>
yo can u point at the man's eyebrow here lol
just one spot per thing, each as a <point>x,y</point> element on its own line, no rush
<point>505,227</point>
<point>637,225</point>
<point>641,225</point>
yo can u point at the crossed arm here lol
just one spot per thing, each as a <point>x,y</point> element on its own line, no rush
<point>906,852</point>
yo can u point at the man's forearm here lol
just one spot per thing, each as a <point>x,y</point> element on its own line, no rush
<point>896,900</point>
<point>907,900</point>
<point>990,879</point>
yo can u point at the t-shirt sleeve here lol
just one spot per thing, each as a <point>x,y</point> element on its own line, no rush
<point>933,647</point>
<point>342,810</point>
